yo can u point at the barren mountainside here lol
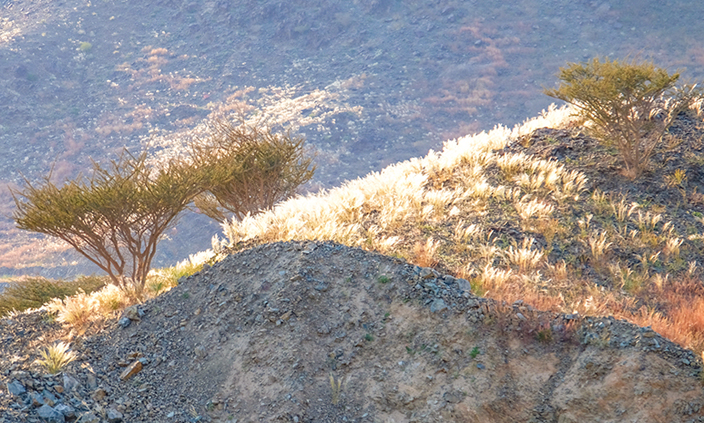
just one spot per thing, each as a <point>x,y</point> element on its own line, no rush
<point>320,332</point>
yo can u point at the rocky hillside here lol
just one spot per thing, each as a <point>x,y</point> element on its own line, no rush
<point>321,332</point>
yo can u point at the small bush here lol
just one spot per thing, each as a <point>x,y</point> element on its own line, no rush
<point>56,357</point>
<point>630,105</point>
<point>34,292</point>
<point>252,169</point>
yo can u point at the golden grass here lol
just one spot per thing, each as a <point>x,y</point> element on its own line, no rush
<point>33,292</point>
<point>56,357</point>
<point>80,309</point>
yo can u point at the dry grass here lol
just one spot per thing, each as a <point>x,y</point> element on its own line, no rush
<point>82,308</point>
<point>56,357</point>
<point>34,292</point>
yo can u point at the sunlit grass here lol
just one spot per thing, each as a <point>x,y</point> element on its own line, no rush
<point>34,292</point>
<point>56,357</point>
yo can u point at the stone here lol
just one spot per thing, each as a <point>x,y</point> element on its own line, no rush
<point>131,370</point>
<point>438,305</point>
<point>124,322</point>
<point>37,399</point>
<point>464,285</point>
<point>99,394</point>
<point>133,313</point>
<point>88,418</point>
<point>70,383</point>
<point>114,416</point>
<point>426,273</point>
<point>49,398</point>
<point>453,397</point>
<point>50,415</point>
<point>68,411</point>
<point>59,389</point>
<point>91,382</point>
<point>15,388</point>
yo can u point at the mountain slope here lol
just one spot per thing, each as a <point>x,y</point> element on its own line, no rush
<point>315,332</point>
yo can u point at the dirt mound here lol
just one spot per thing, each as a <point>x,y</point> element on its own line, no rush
<point>317,332</point>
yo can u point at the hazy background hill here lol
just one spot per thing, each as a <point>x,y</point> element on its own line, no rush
<point>375,82</point>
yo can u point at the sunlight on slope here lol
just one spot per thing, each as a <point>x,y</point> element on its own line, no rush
<point>401,193</point>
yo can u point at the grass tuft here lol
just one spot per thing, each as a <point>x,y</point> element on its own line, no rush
<point>56,357</point>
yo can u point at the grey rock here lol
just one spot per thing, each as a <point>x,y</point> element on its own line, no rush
<point>99,394</point>
<point>124,322</point>
<point>453,397</point>
<point>464,285</point>
<point>70,383</point>
<point>88,418</point>
<point>49,398</point>
<point>66,410</point>
<point>426,273</point>
<point>15,388</point>
<point>91,382</point>
<point>37,399</point>
<point>438,305</point>
<point>114,416</point>
<point>49,414</point>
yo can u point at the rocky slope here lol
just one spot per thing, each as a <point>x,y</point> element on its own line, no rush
<point>319,332</point>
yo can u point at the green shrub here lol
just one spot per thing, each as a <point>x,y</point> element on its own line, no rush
<point>251,168</point>
<point>34,292</point>
<point>630,105</point>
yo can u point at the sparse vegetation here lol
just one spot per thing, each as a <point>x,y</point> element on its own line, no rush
<point>474,353</point>
<point>115,218</point>
<point>517,226</point>
<point>336,389</point>
<point>34,292</point>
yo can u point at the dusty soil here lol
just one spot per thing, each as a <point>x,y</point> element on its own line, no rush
<point>320,332</point>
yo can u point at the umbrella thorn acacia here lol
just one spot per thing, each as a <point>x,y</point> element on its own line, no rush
<point>631,105</point>
<point>116,217</point>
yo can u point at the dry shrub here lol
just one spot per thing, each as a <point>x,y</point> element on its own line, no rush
<point>56,357</point>
<point>682,318</point>
<point>75,310</point>
<point>424,254</point>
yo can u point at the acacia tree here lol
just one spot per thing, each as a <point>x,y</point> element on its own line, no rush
<point>251,169</point>
<point>631,105</point>
<point>116,217</point>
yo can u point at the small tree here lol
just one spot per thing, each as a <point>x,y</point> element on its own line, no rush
<point>251,169</point>
<point>115,218</point>
<point>631,105</point>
